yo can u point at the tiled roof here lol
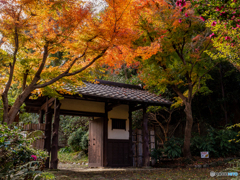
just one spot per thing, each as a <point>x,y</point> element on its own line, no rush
<point>121,93</point>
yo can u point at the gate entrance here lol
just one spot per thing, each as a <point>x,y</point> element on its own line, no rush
<point>95,145</point>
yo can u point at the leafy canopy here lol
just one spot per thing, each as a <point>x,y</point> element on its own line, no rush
<point>223,17</point>
<point>171,48</point>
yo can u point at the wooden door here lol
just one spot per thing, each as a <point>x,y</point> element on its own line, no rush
<point>95,148</point>
<point>119,153</point>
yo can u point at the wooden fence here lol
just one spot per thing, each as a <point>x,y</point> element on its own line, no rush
<point>39,143</point>
<point>138,147</point>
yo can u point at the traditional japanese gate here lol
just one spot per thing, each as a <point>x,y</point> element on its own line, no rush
<point>110,132</point>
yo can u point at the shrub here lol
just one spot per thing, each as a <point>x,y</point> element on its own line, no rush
<point>202,143</point>
<point>45,176</point>
<point>217,142</point>
<point>18,159</point>
<point>84,142</point>
<point>65,150</point>
<point>156,154</point>
<point>74,141</point>
<point>237,140</point>
<point>173,147</point>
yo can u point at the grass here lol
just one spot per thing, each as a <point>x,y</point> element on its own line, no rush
<point>71,157</point>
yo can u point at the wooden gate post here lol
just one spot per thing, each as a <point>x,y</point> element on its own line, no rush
<point>105,137</point>
<point>48,132</point>
<point>152,145</point>
<point>146,155</point>
<point>130,136</point>
<point>54,149</point>
<point>139,148</point>
<point>40,119</point>
<point>134,147</point>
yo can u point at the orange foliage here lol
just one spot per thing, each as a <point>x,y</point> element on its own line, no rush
<point>35,31</point>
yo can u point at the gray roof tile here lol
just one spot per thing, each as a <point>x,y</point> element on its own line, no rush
<point>121,93</point>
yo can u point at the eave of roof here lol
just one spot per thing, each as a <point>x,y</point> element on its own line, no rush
<point>121,92</point>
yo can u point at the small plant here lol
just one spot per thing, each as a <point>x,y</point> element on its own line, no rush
<point>44,176</point>
<point>65,150</point>
<point>173,147</point>
<point>73,157</point>
<point>156,154</point>
<point>18,159</point>
<point>234,165</point>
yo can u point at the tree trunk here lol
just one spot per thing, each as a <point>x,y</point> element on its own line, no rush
<point>146,154</point>
<point>188,130</point>
<point>224,107</point>
<point>10,116</point>
<point>5,108</point>
<point>54,149</point>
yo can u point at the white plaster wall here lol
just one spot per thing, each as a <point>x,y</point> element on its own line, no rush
<point>81,105</point>
<point>119,112</point>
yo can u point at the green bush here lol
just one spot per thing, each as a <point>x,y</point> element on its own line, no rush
<point>156,154</point>
<point>45,176</point>
<point>74,141</point>
<point>65,150</point>
<point>217,142</point>
<point>237,140</point>
<point>173,147</point>
<point>18,159</point>
<point>84,142</point>
<point>202,143</point>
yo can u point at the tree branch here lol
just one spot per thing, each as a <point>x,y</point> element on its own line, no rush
<point>179,93</point>
<point>12,66</point>
<point>199,79</point>
<point>25,79</point>
<point>179,54</point>
<point>64,74</point>
<point>38,73</point>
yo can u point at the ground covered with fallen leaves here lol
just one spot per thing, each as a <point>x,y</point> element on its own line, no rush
<point>139,173</point>
<point>186,163</point>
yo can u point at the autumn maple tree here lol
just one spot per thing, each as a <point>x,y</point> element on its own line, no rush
<point>171,51</point>
<point>48,45</point>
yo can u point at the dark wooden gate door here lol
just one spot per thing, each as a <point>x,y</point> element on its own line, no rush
<point>95,148</point>
<point>119,153</point>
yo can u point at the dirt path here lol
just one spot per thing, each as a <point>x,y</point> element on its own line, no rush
<point>77,172</point>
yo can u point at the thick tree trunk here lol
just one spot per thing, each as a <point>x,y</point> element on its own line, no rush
<point>48,134</point>
<point>146,154</point>
<point>54,149</point>
<point>5,108</point>
<point>224,106</point>
<point>10,116</point>
<point>188,130</point>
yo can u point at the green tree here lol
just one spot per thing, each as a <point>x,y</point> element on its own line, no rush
<point>173,55</point>
<point>223,17</point>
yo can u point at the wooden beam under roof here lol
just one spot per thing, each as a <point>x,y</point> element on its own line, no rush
<point>111,106</point>
<point>81,113</point>
<point>47,104</point>
<point>137,107</point>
